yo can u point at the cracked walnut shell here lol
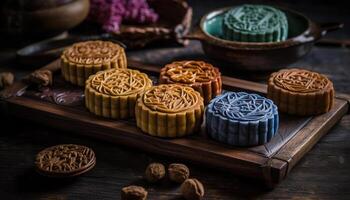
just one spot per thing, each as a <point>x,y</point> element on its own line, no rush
<point>192,189</point>
<point>6,79</point>
<point>133,192</point>
<point>41,77</point>
<point>178,172</point>
<point>154,172</point>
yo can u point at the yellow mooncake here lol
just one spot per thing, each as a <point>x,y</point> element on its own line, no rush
<point>83,59</point>
<point>113,93</point>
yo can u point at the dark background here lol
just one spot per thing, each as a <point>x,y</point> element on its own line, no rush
<point>324,173</point>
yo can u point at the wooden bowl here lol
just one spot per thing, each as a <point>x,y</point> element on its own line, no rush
<point>43,21</point>
<point>260,56</point>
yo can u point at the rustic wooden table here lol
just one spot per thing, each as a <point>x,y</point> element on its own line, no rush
<point>324,173</point>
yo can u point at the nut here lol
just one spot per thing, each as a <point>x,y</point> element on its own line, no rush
<point>41,77</point>
<point>6,79</point>
<point>133,192</point>
<point>192,189</point>
<point>178,172</point>
<point>154,172</point>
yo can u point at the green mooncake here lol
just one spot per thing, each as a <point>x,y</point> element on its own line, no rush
<point>255,23</point>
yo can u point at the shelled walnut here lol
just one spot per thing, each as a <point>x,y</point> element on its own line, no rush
<point>154,172</point>
<point>192,189</point>
<point>42,77</point>
<point>133,192</point>
<point>6,79</point>
<point>178,172</point>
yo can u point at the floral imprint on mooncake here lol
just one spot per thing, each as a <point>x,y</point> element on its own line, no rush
<point>170,98</point>
<point>255,23</point>
<point>304,81</point>
<point>191,72</point>
<point>120,82</point>
<point>93,52</point>
<point>243,106</point>
<point>65,159</point>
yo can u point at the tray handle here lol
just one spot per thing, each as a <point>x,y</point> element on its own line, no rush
<point>345,97</point>
<point>325,28</point>
<point>195,34</point>
<point>329,27</point>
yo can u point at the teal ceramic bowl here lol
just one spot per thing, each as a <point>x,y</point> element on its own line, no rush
<point>260,56</point>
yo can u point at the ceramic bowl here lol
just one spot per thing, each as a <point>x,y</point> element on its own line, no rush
<point>260,56</point>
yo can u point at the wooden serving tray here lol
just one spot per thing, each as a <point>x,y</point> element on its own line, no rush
<point>270,162</point>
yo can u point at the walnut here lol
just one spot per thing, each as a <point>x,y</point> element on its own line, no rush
<point>192,189</point>
<point>178,172</point>
<point>133,192</point>
<point>6,79</point>
<point>42,77</point>
<point>154,172</point>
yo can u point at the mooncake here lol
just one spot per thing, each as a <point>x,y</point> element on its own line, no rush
<point>83,59</point>
<point>241,119</point>
<point>112,93</point>
<point>169,110</point>
<point>300,92</point>
<point>201,76</point>
<point>255,23</point>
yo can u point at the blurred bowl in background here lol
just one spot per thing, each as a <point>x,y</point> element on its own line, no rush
<point>40,18</point>
<point>260,56</point>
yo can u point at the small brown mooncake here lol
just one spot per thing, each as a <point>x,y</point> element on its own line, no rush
<point>83,59</point>
<point>300,92</point>
<point>199,75</point>
<point>169,110</point>
<point>112,93</point>
<point>65,160</point>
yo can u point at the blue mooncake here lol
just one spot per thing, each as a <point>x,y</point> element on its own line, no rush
<point>241,119</point>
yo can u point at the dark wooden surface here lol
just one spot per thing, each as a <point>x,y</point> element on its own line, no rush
<point>324,173</point>
<point>270,163</point>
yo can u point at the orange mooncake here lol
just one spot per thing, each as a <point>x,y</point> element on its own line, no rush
<point>300,92</point>
<point>201,76</point>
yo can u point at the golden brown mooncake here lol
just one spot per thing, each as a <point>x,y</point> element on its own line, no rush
<point>169,110</point>
<point>199,75</point>
<point>113,93</point>
<point>300,92</point>
<point>83,59</point>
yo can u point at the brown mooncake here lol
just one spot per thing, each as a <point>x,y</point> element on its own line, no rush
<point>169,110</point>
<point>300,92</point>
<point>65,160</point>
<point>112,93</point>
<point>199,75</point>
<point>83,59</point>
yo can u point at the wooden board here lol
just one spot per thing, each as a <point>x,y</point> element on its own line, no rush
<point>270,162</point>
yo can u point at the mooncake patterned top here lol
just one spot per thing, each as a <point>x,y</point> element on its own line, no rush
<point>299,80</point>
<point>64,158</point>
<point>255,23</point>
<point>254,18</point>
<point>242,106</point>
<point>120,82</point>
<point>189,71</point>
<point>92,52</point>
<point>171,98</point>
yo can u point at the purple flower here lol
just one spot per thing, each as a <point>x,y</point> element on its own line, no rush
<point>111,13</point>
